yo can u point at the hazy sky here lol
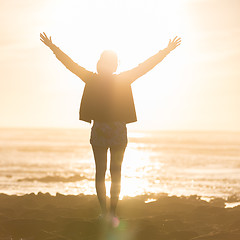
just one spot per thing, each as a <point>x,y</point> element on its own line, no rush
<point>197,86</point>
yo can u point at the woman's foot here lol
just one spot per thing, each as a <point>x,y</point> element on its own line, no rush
<point>113,220</point>
<point>103,217</point>
<point>109,218</point>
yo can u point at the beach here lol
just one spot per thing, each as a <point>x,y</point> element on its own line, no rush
<point>44,216</point>
<point>175,186</point>
<point>82,80</point>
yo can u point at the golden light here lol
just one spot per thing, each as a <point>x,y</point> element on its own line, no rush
<point>134,29</point>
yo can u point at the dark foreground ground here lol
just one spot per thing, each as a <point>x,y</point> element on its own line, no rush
<point>43,216</point>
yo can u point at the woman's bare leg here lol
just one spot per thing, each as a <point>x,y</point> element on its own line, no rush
<point>100,156</point>
<point>117,154</point>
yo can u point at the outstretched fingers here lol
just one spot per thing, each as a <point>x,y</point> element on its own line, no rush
<point>177,40</point>
<point>45,34</point>
<point>43,37</point>
<point>174,39</point>
<point>47,41</point>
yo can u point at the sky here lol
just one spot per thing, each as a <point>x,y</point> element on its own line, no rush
<point>196,87</point>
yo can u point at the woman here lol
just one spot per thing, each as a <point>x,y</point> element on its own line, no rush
<point>107,100</point>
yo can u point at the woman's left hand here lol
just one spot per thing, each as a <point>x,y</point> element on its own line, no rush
<point>47,41</point>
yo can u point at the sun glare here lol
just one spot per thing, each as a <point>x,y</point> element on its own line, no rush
<point>135,30</point>
<point>131,28</point>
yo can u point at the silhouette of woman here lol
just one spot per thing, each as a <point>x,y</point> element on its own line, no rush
<point>107,101</point>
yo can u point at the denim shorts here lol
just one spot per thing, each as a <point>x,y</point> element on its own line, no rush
<point>109,134</point>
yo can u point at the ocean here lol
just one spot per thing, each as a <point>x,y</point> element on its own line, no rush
<point>206,164</point>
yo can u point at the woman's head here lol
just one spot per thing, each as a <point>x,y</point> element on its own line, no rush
<point>108,62</point>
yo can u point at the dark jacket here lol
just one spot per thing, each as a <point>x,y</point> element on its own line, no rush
<point>108,99</point>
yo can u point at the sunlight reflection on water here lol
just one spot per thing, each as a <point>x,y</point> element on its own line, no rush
<point>177,163</point>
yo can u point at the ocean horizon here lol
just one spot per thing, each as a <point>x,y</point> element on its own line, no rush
<point>55,160</point>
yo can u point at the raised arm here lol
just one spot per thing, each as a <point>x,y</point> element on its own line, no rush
<point>81,72</point>
<point>150,63</point>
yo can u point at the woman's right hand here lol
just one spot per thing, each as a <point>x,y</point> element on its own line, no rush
<point>47,41</point>
<point>173,43</point>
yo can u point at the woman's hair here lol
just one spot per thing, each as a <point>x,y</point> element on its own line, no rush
<point>108,62</point>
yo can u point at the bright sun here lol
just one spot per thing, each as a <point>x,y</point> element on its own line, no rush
<point>131,28</point>
<point>134,29</point>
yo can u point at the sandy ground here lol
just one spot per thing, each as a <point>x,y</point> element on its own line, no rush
<point>43,216</point>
